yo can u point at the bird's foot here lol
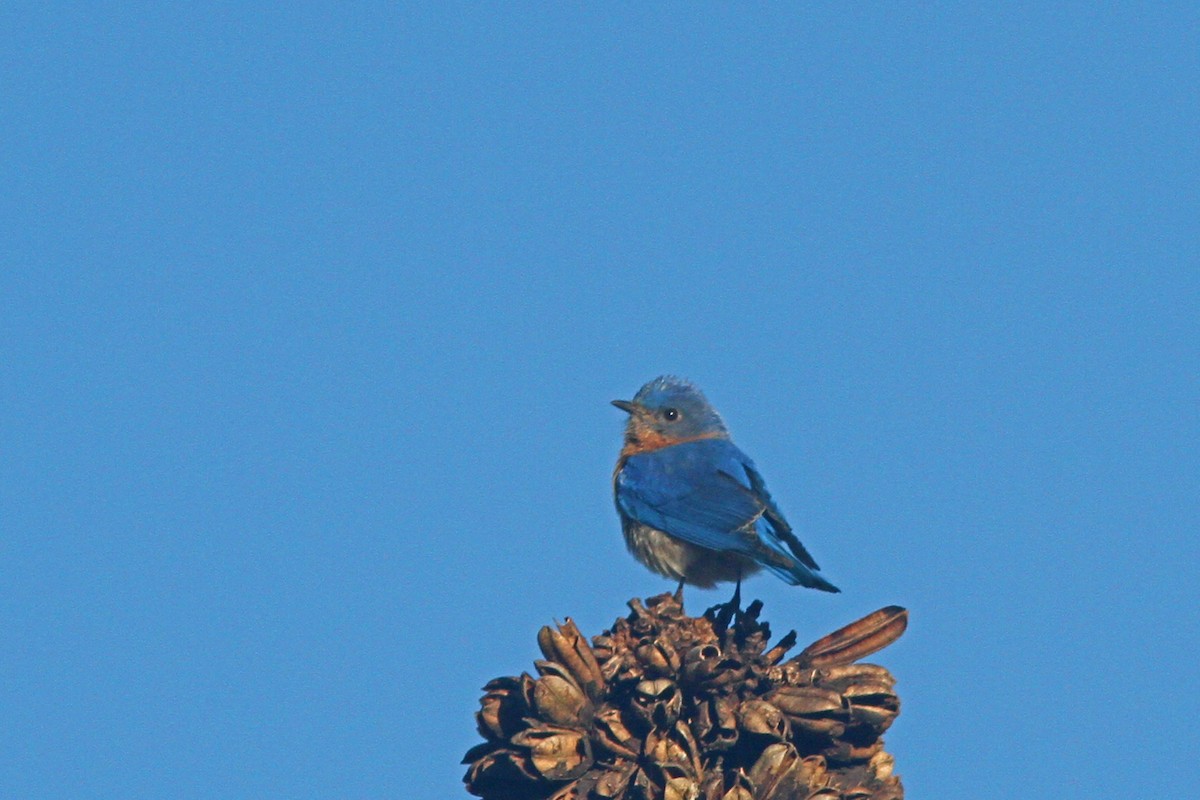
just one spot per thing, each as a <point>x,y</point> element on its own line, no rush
<point>728,613</point>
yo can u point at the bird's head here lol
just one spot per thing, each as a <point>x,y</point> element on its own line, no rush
<point>667,411</point>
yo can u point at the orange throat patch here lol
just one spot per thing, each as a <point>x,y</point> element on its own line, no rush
<point>644,439</point>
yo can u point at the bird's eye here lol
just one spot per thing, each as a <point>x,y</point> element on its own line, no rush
<point>670,414</point>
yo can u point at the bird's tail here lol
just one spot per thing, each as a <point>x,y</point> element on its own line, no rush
<point>800,575</point>
<point>771,554</point>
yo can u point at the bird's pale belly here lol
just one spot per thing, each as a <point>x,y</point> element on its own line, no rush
<point>682,561</point>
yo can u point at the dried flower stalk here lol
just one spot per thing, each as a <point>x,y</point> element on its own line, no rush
<point>663,706</point>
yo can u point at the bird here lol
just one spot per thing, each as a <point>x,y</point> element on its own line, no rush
<point>693,506</point>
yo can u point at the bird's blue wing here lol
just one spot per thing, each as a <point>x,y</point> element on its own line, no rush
<point>700,492</point>
<point>772,515</point>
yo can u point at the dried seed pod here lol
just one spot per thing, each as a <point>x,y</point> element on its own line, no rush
<point>499,773</point>
<point>560,701</point>
<point>808,702</point>
<point>612,782</point>
<point>579,646</point>
<point>705,668</point>
<point>700,661</point>
<point>812,710</point>
<point>568,647</point>
<point>843,675</point>
<point>544,667</point>
<point>643,786</point>
<point>857,640</point>
<point>656,703</point>
<point>740,789</point>
<point>870,693</point>
<point>687,741</point>
<point>626,670</point>
<point>556,754</point>
<point>845,750</point>
<point>504,707</point>
<point>877,712</point>
<point>642,623</point>
<point>789,673</point>
<point>777,652</point>
<point>760,718</point>
<point>602,646</point>
<point>815,771</point>
<point>611,733</point>
<point>712,784</point>
<point>665,771</point>
<point>829,728</point>
<point>776,773</point>
<point>716,724</point>
<point>666,606</point>
<point>658,657</point>
<point>663,747</point>
<point>873,704</point>
<point>681,789</point>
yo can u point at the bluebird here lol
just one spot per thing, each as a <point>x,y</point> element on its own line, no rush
<point>693,506</point>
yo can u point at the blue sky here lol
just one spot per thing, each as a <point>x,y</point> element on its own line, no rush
<point>311,316</point>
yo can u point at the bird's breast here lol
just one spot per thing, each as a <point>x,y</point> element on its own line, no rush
<point>682,561</point>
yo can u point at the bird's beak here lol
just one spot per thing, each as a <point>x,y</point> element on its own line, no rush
<point>627,406</point>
